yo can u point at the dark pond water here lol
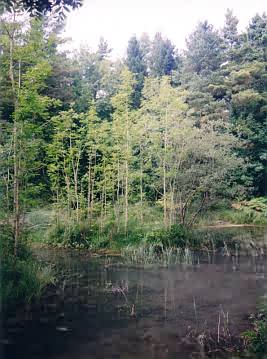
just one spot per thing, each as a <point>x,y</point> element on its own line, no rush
<point>104,307</point>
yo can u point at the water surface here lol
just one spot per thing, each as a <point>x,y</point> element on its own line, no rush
<point>104,307</point>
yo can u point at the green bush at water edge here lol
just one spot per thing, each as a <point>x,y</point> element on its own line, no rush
<point>23,279</point>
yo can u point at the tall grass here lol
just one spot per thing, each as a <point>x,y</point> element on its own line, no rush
<point>22,278</point>
<point>151,254</point>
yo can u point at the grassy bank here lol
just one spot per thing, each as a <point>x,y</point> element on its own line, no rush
<point>141,240</point>
<point>83,235</point>
<point>252,212</point>
<point>23,279</point>
<point>144,232</point>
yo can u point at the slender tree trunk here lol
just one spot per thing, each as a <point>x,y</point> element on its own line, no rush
<point>75,169</point>
<point>16,190</point>
<point>7,183</point>
<point>126,197</point>
<point>16,184</point>
<point>118,181</point>
<point>105,197</point>
<point>67,181</point>
<point>89,191</point>
<point>92,190</point>
<point>197,213</point>
<point>172,206</point>
<point>57,214</point>
<point>76,195</point>
<point>164,175</point>
<point>102,209</point>
<point>75,177</point>
<point>141,187</point>
<point>126,208</point>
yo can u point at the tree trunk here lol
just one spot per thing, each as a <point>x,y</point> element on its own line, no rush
<point>118,181</point>
<point>164,175</point>
<point>76,195</point>
<point>126,208</point>
<point>141,188</point>
<point>126,197</point>
<point>16,170</point>
<point>89,191</point>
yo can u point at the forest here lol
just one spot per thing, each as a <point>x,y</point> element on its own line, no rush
<point>98,153</point>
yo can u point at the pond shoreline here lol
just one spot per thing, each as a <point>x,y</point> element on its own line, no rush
<point>181,308</point>
<point>222,224</point>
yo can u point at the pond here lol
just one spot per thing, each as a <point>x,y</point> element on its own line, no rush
<point>107,307</point>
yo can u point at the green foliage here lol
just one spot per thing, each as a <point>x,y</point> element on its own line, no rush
<point>7,243</point>
<point>252,211</point>
<point>244,212</point>
<point>74,235</point>
<point>136,64</point>
<point>175,236</point>
<point>162,59</point>
<point>23,279</point>
<point>257,204</point>
<point>41,7</point>
<point>204,49</point>
<point>105,144</point>
<point>255,339</point>
<point>82,235</point>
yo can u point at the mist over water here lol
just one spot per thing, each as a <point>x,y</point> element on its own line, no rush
<point>106,307</point>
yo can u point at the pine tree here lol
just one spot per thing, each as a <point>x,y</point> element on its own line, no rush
<point>229,31</point>
<point>162,60</point>
<point>103,49</point>
<point>136,64</point>
<point>204,49</point>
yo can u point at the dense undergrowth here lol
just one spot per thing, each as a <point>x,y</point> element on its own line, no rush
<point>23,278</point>
<point>149,235</point>
<point>91,236</point>
<point>255,338</point>
<point>253,211</point>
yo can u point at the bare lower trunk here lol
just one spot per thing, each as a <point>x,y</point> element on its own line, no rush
<point>102,210</point>
<point>141,191</point>
<point>57,214</point>
<point>164,175</point>
<point>126,198</point>
<point>89,192</point>
<point>118,181</point>
<point>16,192</point>
<point>67,181</point>
<point>172,207</point>
<point>199,210</point>
<point>164,195</point>
<point>76,195</point>
<point>126,176</point>
<point>92,191</point>
<point>16,162</point>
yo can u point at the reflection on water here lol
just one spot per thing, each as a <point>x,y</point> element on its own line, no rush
<point>103,308</point>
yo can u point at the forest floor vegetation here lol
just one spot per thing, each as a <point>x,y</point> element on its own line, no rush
<point>23,278</point>
<point>143,237</point>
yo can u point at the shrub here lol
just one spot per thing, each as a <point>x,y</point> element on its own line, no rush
<point>256,338</point>
<point>75,235</point>
<point>252,211</point>
<point>22,278</point>
<point>175,236</point>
